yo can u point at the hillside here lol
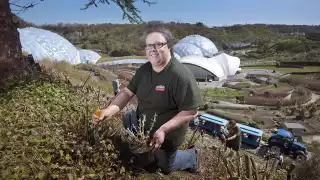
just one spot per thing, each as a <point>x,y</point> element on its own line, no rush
<point>48,118</point>
<point>118,40</point>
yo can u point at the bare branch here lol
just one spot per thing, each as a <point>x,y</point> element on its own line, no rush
<point>129,10</point>
<point>23,8</point>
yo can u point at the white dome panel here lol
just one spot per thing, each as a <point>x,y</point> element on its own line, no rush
<point>177,56</point>
<point>221,65</point>
<point>88,56</point>
<point>46,44</point>
<point>184,49</point>
<point>206,46</point>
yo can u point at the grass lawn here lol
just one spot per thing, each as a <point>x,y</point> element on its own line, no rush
<point>286,70</point>
<point>282,87</point>
<point>104,59</point>
<point>225,93</point>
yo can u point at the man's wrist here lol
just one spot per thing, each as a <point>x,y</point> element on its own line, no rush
<point>111,109</point>
<point>164,129</point>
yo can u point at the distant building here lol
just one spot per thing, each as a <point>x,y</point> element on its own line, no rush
<point>296,128</point>
<point>215,68</point>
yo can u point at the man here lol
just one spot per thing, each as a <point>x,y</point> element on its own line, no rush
<point>222,134</point>
<point>234,137</point>
<point>281,160</point>
<point>167,88</point>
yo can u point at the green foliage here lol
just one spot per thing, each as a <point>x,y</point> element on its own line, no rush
<point>286,44</point>
<point>86,45</point>
<point>265,138</point>
<point>225,93</point>
<point>286,70</point>
<point>45,133</point>
<point>243,85</point>
<point>126,39</point>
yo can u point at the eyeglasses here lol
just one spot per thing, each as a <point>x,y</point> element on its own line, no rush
<point>154,46</point>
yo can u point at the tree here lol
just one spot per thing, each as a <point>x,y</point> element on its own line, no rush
<point>12,63</point>
<point>11,54</point>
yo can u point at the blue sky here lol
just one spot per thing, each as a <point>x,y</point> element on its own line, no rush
<point>210,12</point>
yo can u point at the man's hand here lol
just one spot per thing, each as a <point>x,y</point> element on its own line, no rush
<point>100,115</point>
<point>158,138</point>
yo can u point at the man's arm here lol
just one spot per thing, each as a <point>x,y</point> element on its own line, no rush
<point>119,102</point>
<point>236,134</point>
<point>180,119</point>
<point>188,99</point>
<point>232,137</point>
<point>124,96</point>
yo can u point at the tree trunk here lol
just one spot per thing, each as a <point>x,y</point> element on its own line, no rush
<point>12,63</point>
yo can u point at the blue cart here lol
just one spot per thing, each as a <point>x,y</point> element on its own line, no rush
<point>250,136</point>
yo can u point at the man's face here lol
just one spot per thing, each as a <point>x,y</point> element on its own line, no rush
<point>157,50</point>
<point>231,124</point>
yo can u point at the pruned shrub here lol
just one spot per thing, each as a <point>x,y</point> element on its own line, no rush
<point>308,170</point>
<point>46,133</point>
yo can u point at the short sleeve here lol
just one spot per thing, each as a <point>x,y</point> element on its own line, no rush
<point>238,130</point>
<point>187,95</point>
<point>133,83</point>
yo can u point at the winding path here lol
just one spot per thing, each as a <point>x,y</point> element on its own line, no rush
<point>314,98</point>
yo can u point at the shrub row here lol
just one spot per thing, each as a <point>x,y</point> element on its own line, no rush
<point>304,95</point>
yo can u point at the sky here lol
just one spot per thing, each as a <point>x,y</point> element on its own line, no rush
<point>209,12</point>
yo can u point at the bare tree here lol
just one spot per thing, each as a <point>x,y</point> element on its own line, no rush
<point>11,59</point>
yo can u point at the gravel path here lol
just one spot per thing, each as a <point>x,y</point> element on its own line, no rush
<point>314,98</point>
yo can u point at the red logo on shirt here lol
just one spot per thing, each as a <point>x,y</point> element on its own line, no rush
<point>160,88</point>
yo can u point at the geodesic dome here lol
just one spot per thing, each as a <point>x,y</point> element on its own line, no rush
<point>88,56</point>
<point>46,44</point>
<point>193,45</point>
<point>177,56</point>
<point>185,49</point>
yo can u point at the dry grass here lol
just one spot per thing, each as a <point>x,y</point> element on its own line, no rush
<point>83,73</point>
<point>104,59</point>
